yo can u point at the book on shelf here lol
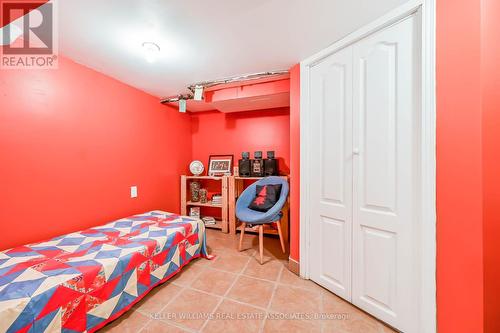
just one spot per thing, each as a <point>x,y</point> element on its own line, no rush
<point>217,199</point>
<point>208,220</point>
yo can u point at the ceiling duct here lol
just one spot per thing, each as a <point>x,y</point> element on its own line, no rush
<point>198,88</point>
<point>174,99</point>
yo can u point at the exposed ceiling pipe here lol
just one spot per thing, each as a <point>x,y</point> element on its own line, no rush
<point>207,84</point>
<point>177,98</point>
<point>240,78</point>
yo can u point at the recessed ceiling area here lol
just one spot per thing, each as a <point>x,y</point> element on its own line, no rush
<point>203,40</point>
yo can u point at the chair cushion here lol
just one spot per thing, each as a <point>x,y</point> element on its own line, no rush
<point>266,197</point>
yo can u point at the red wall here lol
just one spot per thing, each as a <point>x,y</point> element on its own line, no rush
<point>295,162</point>
<point>233,133</point>
<point>72,142</point>
<point>490,78</point>
<point>459,181</point>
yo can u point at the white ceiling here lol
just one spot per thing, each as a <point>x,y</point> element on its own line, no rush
<point>204,39</point>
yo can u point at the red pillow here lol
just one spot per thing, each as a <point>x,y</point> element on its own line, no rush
<point>266,197</point>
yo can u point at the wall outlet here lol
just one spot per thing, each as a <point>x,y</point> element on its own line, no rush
<point>133,191</point>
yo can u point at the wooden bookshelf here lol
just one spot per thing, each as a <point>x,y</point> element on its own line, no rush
<point>221,223</point>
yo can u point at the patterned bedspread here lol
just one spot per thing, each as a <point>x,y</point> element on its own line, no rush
<point>81,281</point>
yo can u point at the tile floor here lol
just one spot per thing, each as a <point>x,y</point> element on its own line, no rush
<point>234,293</point>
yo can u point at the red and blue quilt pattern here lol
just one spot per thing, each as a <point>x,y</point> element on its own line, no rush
<point>81,281</point>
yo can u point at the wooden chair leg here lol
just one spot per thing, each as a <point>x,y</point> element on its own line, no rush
<point>261,243</point>
<point>282,241</point>
<point>243,226</point>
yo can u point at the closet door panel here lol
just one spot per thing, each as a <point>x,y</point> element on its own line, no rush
<point>385,177</point>
<point>331,173</point>
<point>377,99</point>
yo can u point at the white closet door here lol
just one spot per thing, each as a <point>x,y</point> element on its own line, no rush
<point>386,121</point>
<point>331,172</point>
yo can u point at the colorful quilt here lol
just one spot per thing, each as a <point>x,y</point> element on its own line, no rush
<point>83,280</point>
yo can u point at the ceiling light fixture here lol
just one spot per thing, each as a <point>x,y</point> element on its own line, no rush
<point>151,51</point>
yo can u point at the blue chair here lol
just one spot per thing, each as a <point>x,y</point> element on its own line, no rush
<point>249,216</point>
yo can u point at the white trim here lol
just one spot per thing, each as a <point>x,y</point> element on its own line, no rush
<point>428,307</point>
<point>304,170</point>
<point>427,233</point>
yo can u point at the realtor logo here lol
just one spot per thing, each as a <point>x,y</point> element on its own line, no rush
<point>28,34</point>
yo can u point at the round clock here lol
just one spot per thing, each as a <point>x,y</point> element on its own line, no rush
<point>196,168</point>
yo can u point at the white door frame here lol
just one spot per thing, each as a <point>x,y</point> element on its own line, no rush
<point>427,229</point>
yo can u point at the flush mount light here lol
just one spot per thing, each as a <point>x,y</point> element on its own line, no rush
<point>151,50</point>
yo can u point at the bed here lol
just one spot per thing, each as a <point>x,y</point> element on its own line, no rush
<point>81,281</point>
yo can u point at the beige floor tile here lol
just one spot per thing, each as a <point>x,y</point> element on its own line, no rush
<point>157,298</point>
<point>228,243</point>
<point>130,322</point>
<point>252,291</point>
<point>267,258</point>
<point>223,242</point>
<point>214,281</point>
<point>158,326</point>
<point>233,251</point>
<point>200,262</point>
<point>187,274</point>
<point>255,288</point>
<point>268,271</point>
<point>230,246</point>
<point>235,317</point>
<point>291,326</point>
<point>190,308</point>
<point>250,241</point>
<point>216,234</point>
<point>292,279</point>
<point>356,321</point>
<point>248,252</point>
<point>233,263</point>
<point>289,299</point>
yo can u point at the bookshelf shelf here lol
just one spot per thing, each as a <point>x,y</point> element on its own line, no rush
<point>217,225</point>
<point>207,204</point>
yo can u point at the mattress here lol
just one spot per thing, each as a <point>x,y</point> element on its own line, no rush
<point>81,281</point>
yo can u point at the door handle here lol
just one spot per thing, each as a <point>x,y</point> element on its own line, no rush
<point>355,151</point>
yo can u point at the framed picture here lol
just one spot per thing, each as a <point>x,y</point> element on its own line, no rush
<point>220,165</point>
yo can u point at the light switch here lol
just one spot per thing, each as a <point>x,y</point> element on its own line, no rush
<point>133,191</point>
